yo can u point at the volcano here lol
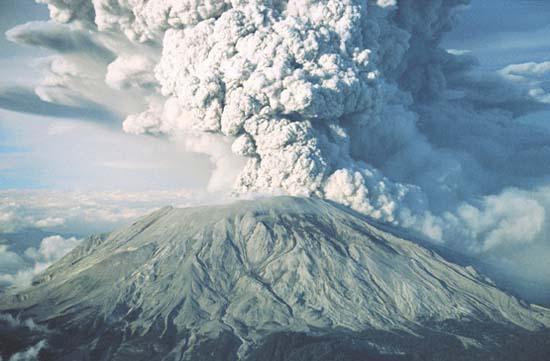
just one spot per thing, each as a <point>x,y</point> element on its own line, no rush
<point>279,278</point>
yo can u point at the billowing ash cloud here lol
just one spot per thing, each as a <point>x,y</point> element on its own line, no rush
<point>298,85</point>
<point>350,100</point>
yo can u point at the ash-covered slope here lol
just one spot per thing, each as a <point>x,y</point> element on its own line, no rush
<point>237,280</point>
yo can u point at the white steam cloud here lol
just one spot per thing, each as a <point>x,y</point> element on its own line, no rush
<point>350,100</point>
<point>18,270</point>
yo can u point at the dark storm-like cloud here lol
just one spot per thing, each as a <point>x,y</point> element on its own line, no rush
<point>24,100</point>
<point>57,37</point>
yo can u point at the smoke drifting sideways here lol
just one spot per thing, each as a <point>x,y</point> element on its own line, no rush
<point>350,100</point>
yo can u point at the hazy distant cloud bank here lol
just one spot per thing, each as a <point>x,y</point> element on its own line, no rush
<point>85,212</point>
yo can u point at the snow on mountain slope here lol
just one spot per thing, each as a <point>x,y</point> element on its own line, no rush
<point>254,268</point>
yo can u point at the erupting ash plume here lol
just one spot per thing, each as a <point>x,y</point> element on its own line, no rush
<point>295,84</point>
<point>350,100</point>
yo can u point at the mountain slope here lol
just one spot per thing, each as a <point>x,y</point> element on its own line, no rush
<point>235,275</point>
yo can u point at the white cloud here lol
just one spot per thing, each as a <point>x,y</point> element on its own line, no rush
<point>18,270</point>
<point>52,248</point>
<point>49,222</point>
<point>10,262</point>
<point>512,219</point>
<point>527,70</point>
<point>7,221</point>
<point>11,220</point>
<point>536,76</point>
<point>87,212</point>
<point>134,71</point>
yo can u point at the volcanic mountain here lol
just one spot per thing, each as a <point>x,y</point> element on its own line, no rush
<point>273,279</point>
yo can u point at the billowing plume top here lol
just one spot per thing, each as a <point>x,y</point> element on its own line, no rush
<point>293,82</point>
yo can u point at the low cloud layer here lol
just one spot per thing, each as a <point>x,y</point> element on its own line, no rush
<point>86,212</point>
<point>352,101</point>
<point>18,270</point>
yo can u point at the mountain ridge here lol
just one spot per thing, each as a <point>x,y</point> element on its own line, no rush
<point>252,269</point>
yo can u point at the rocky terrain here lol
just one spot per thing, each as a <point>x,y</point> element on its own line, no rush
<point>272,279</point>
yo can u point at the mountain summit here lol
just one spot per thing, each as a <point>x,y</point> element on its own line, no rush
<point>272,279</point>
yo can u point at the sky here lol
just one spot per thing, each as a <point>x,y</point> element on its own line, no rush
<point>92,137</point>
<point>59,148</point>
<point>504,32</point>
